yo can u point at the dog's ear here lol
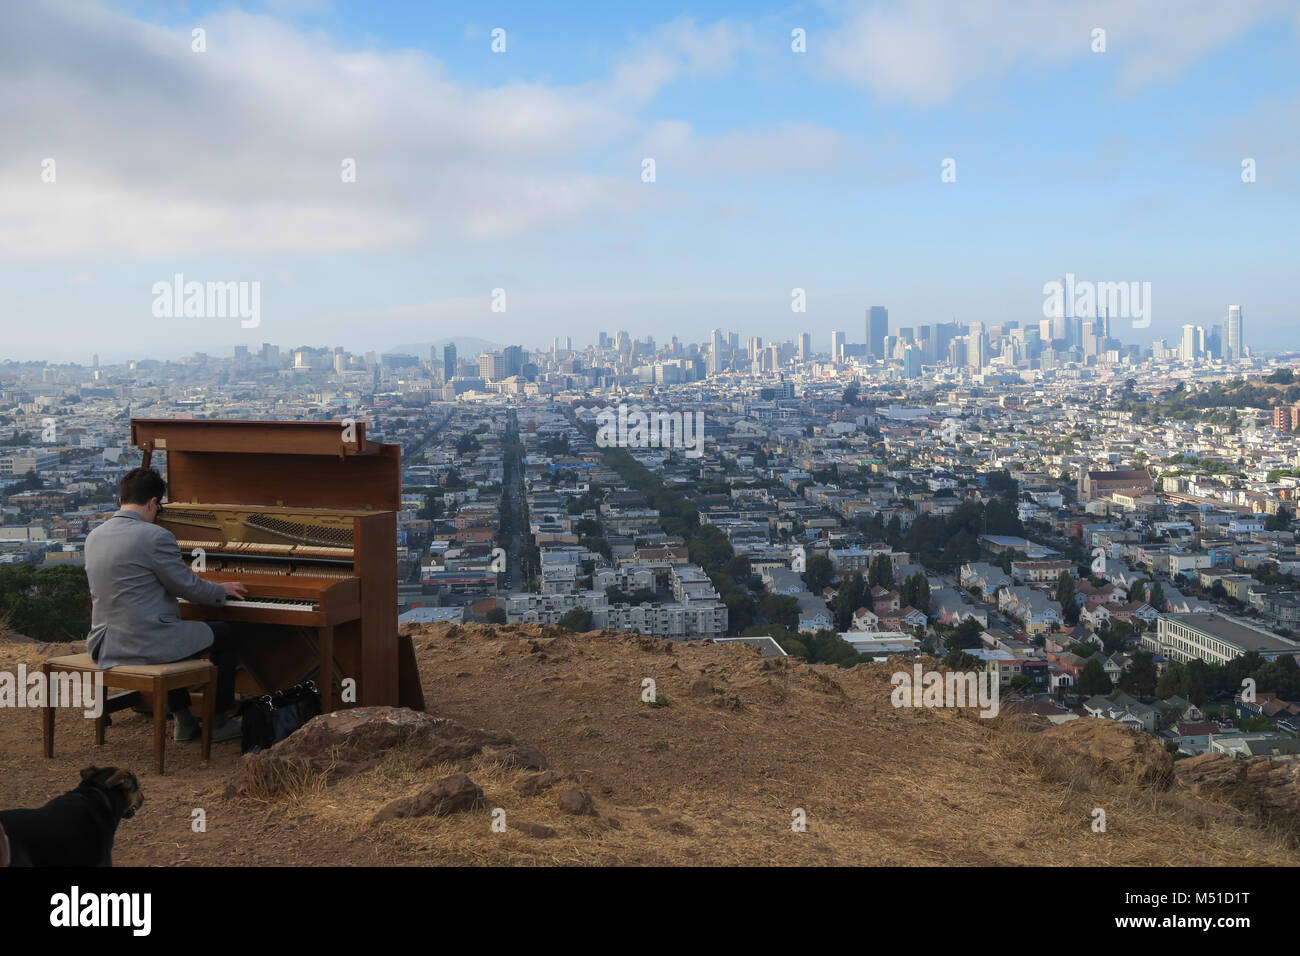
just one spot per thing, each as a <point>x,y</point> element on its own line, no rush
<point>89,772</point>
<point>121,778</point>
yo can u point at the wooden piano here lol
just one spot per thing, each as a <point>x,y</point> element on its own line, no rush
<point>304,515</point>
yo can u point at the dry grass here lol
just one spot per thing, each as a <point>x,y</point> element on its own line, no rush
<point>715,778</point>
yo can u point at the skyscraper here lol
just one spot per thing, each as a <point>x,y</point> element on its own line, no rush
<point>1235,338</point>
<point>837,346</point>
<point>911,362</point>
<point>877,329</point>
<point>805,346</point>
<point>715,352</point>
<point>513,358</point>
<point>976,347</point>
<point>448,362</point>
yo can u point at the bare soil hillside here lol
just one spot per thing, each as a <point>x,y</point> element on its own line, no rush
<point>544,752</point>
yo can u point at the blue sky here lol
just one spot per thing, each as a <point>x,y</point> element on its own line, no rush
<point>522,170</point>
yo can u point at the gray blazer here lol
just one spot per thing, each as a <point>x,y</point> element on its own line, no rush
<point>136,572</point>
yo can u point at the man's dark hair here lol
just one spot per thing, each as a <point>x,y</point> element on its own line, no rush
<point>139,485</point>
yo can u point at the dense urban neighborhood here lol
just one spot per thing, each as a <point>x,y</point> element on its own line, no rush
<point>1109,532</point>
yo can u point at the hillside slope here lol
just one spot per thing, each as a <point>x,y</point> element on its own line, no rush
<point>713,775</point>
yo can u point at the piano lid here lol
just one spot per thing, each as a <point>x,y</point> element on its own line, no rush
<point>275,464</point>
<point>293,438</point>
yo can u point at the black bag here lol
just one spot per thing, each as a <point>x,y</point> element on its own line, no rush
<point>270,718</point>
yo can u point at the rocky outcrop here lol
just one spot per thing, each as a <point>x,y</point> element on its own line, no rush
<point>1269,788</point>
<point>346,742</point>
<point>1104,748</point>
<point>454,794</point>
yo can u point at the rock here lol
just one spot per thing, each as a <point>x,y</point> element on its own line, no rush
<point>727,702</point>
<point>454,794</point>
<point>534,783</point>
<point>521,755</point>
<point>576,802</point>
<point>670,822</point>
<point>1269,788</point>
<point>537,830</point>
<point>702,687</point>
<point>346,742</point>
<point>1108,748</point>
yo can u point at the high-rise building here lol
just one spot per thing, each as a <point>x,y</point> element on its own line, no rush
<point>715,351</point>
<point>911,362</point>
<point>1214,343</point>
<point>755,346</point>
<point>513,358</point>
<point>492,366</point>
<point>837,346</point>
<point>877,329</point>
<point>1236,340</point>
<point>1187,347</point>
<point>805,346</point>
<point>976,346</point>
<point>448,361</point>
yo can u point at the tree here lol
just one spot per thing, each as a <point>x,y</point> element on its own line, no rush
<point>496,616</point>
<point>642,596</point>
<point>818,573</point>
<point>1065,590</point>
<point>1157,596</point>
<point>1141,677</point>
<point>780,609</point>
<point>1114,635</point>
<point>965,635</point>
<point>881,572</point>
<point>1093,679</point>
<point>576,619</point>
<point>957,660</point>
<point>48,605</point>
<point>915,591</point>
<point>741,609</point>
<point>1175,681</point>
<point>1280,521</point>
<point>852,595</point>
<point>738,568</point>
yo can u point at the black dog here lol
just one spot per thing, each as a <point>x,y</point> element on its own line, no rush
<point>76,829</point>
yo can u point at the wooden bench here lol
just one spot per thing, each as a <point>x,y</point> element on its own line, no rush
<point>150,682</point>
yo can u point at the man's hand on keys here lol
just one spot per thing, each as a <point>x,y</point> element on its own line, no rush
<point>235,590</point>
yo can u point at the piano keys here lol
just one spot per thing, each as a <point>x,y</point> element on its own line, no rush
<point>306,520</point>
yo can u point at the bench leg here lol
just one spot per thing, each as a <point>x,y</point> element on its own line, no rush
<point>102,720</point>
<point>159,723</point>
<point>47,715</point>
<point>209,712</point>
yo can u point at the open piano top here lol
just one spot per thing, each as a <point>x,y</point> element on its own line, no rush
<point>304,515</point>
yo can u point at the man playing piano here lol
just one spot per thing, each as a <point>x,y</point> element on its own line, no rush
<point>136,573</point>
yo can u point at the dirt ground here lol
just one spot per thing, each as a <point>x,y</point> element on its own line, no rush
<point>739,747</point>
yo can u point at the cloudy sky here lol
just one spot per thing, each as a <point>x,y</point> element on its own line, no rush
<point>522,169</point>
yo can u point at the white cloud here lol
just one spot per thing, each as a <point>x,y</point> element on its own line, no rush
<point>785,148</point>
<point>924,51</point>
<point>161,150</point>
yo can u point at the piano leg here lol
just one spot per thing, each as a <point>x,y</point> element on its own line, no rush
<point>326,645</point>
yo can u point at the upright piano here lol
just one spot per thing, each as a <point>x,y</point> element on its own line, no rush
<point>304,515</point>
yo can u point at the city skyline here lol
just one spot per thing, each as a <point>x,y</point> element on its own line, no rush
<point>892,155</point>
